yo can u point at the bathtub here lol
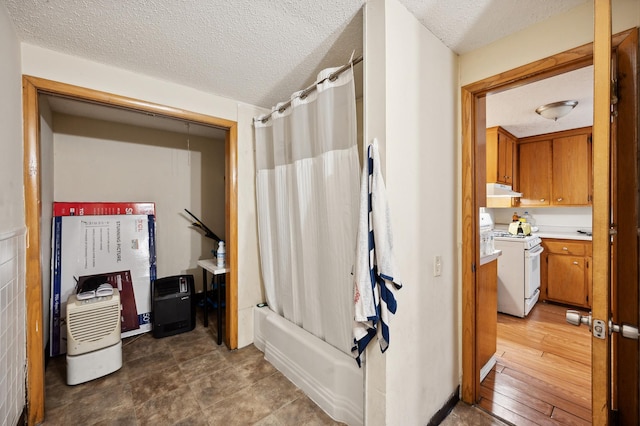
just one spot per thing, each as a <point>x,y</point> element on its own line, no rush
<point>328,376</point>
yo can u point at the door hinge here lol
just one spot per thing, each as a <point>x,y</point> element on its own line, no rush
<point>473,267</point>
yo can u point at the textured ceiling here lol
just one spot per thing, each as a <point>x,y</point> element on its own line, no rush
<point>254,51</point>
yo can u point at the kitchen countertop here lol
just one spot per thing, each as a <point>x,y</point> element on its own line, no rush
<point>564,235</point>
<point>558,232</point>
<point>490,257</point>
<point>564,232</point>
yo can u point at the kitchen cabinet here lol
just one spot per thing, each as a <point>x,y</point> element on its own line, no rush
<point>556,169</point>
<point>566,274</point>
<point>572,178</point>
<point>487,312</point>
<point>535,173</point>
<point>501,156</point>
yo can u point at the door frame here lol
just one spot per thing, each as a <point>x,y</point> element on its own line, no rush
<point>32,87</point>
<point>602,285</point>
<point>473,99</point>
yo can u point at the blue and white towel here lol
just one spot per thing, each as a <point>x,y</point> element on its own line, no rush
<point>376,277</point>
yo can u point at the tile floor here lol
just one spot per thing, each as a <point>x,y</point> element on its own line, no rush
<point>187,379</point>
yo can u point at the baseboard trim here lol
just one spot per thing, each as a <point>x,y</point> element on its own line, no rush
<point>446,408</point>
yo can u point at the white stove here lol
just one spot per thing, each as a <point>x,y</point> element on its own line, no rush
<point>518,272</point>
<point>518,266</point>
<point>527,241</point>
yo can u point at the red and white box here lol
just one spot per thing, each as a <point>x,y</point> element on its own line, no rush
<point>119,248</point>
<point>101,209</point>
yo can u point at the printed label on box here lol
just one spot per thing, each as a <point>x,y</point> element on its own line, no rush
<point>102,209</point>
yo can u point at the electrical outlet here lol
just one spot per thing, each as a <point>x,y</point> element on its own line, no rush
<point>437,266</point>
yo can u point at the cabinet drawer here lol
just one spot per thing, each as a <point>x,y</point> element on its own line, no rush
<point>565,247</point>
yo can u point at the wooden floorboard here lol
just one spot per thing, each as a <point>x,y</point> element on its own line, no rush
<point>542,374</point>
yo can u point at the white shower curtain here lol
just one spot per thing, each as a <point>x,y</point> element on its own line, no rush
<point>307,189</point>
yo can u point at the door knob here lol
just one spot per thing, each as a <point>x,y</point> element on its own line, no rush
<point>576,318</point>
<point>627,331</point>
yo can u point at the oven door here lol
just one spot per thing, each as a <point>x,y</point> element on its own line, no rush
<point>532,270</point>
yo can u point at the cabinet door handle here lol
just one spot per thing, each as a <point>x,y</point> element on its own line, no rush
<point>565,249</point>
<point>559,199</point>
<point>542,200</point>
<point>575,262</point>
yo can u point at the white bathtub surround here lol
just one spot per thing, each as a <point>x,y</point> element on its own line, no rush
<point>328,376</point>
<point>12,326</point>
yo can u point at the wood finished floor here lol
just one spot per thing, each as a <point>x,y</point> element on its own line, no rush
<point>543,371</point>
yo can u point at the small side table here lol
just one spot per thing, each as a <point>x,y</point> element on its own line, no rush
<point>216,271</point>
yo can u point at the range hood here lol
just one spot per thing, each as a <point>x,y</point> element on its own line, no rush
<point>498,190</point>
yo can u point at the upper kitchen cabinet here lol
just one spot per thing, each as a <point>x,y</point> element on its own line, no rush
<point>572,170</point>
<point>501,156</point>
<point>556,169</point>
<point>535,169</point>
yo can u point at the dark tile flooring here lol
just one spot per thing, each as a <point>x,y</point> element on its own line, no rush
<point>187,379</point>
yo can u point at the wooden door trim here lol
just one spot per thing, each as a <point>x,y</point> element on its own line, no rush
<point>471,94</point>
<point>600,305</point>
<point>31,88</point>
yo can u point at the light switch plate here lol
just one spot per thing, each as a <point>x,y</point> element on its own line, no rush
<point>437,266</point>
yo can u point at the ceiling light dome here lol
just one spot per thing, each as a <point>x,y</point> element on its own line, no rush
<point>555,110</point>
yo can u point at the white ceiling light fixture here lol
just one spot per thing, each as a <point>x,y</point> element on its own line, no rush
<point>555,110</point>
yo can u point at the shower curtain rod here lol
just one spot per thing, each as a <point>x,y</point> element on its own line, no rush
<point>311,88</point>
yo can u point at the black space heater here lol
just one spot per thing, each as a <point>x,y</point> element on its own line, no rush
<point>174,308</point>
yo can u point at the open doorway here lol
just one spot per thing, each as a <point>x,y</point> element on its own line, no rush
<point>32,89</point>
<point>541,364</point>
<point>474,192</point>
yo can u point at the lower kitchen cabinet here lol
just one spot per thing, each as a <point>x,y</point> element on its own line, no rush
<point>566,274</point>
<point>487,312</point>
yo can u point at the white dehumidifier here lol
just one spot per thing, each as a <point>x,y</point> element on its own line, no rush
<point>94,344</point>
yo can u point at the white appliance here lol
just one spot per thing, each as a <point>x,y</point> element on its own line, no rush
<point>94,344</point>
<point>487,246</point>
<point>518,272</point>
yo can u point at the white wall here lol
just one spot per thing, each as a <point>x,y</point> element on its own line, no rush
<point>12,229</point>
<point>574,217</point>
<point>418,77</point>
<point>97,160</point>
<point>555,35</point>
<point>251,291</point>
<point>11,195</point>
<point>68,69</point>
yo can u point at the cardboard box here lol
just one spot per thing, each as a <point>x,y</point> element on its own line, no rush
<point>117,248</point>
<point>88,209</point>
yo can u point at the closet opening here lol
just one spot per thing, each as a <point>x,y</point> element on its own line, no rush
<point>104,143</point>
